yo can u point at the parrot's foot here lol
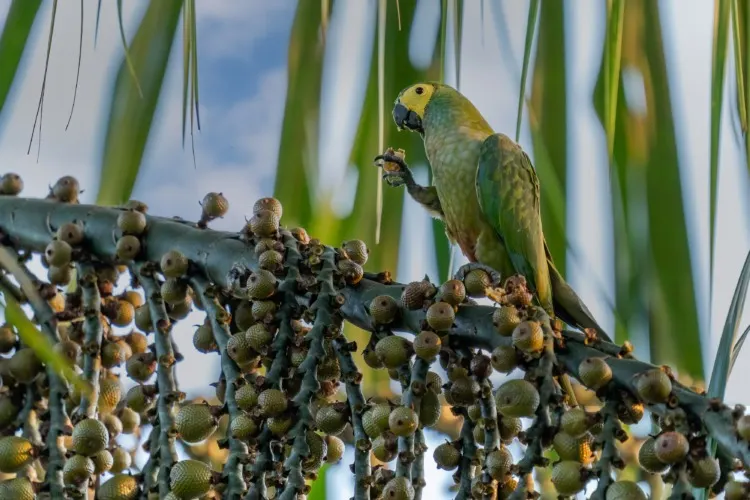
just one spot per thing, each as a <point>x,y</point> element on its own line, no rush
<point>395,170</point>
<point>496,280</point>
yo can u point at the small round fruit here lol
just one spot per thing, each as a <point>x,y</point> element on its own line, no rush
<point>357,251</point>
<point>383,309</point>
<point>110,393</point>
<point>58,253</point>
<point>517,398</point>
<point>19,488</point>
<point>60,276</point>
<point>190,479</point>
<point>447,456</point>
<point>335,448</point>
<point>214,205</point>
<point>736,490</point>
<point>743,427</point>
<point>272,402</point>
<point>504,358</point>
<point>268,203</point>
<point>453,292</point>
<point>415,294</point>
<point>279,425</point>
<point>261,284</point>
<point>174,291</point>
<point>264,223</point>
<point>671,447</point>
<point>8,339</point>
<point>498,463</point>
<point>8,411</point>
<point>78,469</point>
<point>143,319</point>
<point>509,428</point>
<point>385,447</point>
<point>653,386</point>
<point>140,367</point>
<point>440,316</point>
<point>122,314</point>
<point>130,420</point>
<point>398,488</point>
<point>403,421</point>
<point>624,490</point>
<point>648,459</point>
<point>529,337</point>
<point>243,427</point>
<point>203,339</point>
<point>575,422</point>
<point>704,472</point>
<point>246,396</point>
<point>270,260</point>
<point>24,366</point>
<point>262,309</point>
<point>66,189</point>
<point>506,319</point>
<point>128,247</point>
<point>119,487</point>
<point>393,351</point>
<point>174,264</point>
<point>567,477</point>
<point>71,233</point>
<point>594,373</point>
<point>140,398</point>
<point>573,448</point>
<point>121,460</point>
<point>476,282</point>
<point>90,436</point>
<point>113,424</point>
<point>239,349</point>
<point>375,420</point>
<point>195,422</point>
<point>15,453</point>
<point>427,345</point>
<point>429,409</point>
<point>131,222</point>
<point>433,382</point>
<point>11,184</point>
<point>330,420</point>
<point>351,271</point>
<point>464,390</point>
<point>259,337</point>
<point>102,462</point>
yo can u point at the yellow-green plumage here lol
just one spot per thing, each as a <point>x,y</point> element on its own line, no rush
<point>488,193</point>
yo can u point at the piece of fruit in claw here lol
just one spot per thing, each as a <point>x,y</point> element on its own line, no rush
<point>390,166</point>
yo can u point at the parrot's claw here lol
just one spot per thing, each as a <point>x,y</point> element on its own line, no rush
<point>395,170</point>
<point>496,280</point>
<point>394,179</point>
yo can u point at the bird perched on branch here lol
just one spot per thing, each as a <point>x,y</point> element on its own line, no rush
<point>486,192</point>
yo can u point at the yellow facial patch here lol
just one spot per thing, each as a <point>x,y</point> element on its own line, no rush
<point>416,97</point>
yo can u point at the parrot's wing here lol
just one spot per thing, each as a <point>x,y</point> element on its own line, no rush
<point>508,192</point>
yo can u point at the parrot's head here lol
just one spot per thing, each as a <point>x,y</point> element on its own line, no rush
<point>411,105</point>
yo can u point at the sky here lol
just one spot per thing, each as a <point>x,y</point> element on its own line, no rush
<point>242,51</point>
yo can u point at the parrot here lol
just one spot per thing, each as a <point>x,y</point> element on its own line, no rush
<point>486,192</point>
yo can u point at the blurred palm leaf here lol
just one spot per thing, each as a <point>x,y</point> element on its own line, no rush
<point>130,115</point>
<point>299,133</point>
<point>15,33</point>
<point>646,161</point>
<point>741,23</point>
<point>549,107</point>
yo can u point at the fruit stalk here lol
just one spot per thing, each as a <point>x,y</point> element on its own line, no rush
<point>237,448</point>
<point>168,392</point>
<point>324,319</point>
<point>609,454</point>
<point>468,453</point>
<point>92,330</point>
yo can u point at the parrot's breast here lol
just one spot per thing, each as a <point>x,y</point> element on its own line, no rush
<point>454,158</point>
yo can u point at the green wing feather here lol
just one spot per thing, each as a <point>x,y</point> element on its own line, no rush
<point>508,191</point>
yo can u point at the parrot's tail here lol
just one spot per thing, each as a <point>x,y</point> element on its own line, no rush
<point>569,307</point>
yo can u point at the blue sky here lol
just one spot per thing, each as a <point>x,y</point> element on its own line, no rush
<point>242,54</point>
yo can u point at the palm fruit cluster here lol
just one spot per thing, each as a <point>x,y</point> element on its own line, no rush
<point>289,397</point>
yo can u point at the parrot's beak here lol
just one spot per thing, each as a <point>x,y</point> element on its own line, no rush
<point>406,118</point>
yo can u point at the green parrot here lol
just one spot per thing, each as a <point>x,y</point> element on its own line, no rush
<point>486,192</point>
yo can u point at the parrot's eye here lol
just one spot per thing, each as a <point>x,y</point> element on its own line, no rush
<point>419,90</point>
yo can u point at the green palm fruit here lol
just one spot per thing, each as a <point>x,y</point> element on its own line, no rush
<point>648,459</point>
<point>140,367</point>
<point>415,293</point>
<point>671,447</point>
<point>110,393</point>
<point>393,351</point>
<point>121,460</point>
<point>259,338</point>
<point>19,488</point>
<point>383,309</point>
<point>375,420</point>
<point>335,447</point>
<point>143,319</point>
<point>246,397</point>
<point>11,184</point>
<point>239,348</point>
<point>128,247</point>
<point>624,490</point>
<point>509,428</point>
<point>464,391</point>
<point>429,409</point>
<point>102,462</point>
<point>119,487</point>
<point>268,203</point>
<point>130,420</point>
<point>447,456</point>
<point>60,276</point>
<point>279,425</point>
<point>575,422</point>
<point>385,447</point>
<point>453,292</point>
<point>272,402</point>
<point>351,271</point>
<point>476,282</point>
<point>399,488</point>
<point>433,382</point>
<point>112,423</point>
<point>190,479</point>
<point>528,337</point>
<point>704,472</point>
<point>174,291</point>
<point>357,251</point>
<point>58,253</point>
<point>440,316</point>
<point>90,436</point>
<point>174,264</point>
<point>263,309</point>
<point>24,366</point>
<point>403,421</point>
<point>8,339</point>
<point>203,339</point>
<point>594,373</point>
<point>140,398</point>
<point>78,469</point>
<point>498,463</point>
<point>517,398</point>
<point>735,490</point>
<point>214,205</point>
<point>264,223</point>
<point>506,319</point>
<point>15,453</point>
<point>653,386</point>
<point>261,284</point>
<point>330,420</point>
<point>743,427</point>
<point>567,477</point>
<point>573,448</point>
<point>427,345</point>
<point>504,358</point>
<point>131,222</point>
<point>243,427</point>
<point>195,422</point>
